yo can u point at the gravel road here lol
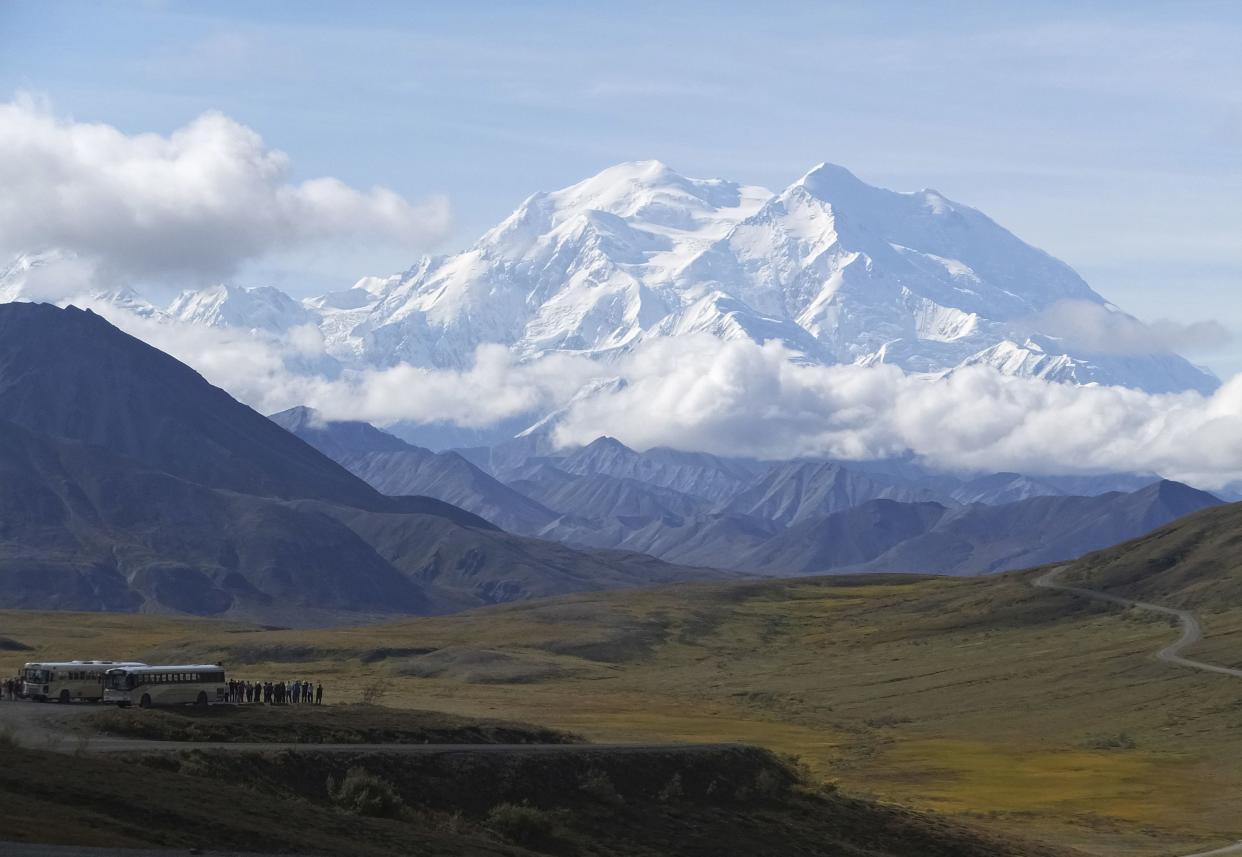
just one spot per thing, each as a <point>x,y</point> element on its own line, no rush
<point>1192,631</point>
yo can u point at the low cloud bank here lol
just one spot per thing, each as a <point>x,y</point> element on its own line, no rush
<point>1094,329</point>
<point>738,398</point>
<point>194,204</point>
<point>741,399</point>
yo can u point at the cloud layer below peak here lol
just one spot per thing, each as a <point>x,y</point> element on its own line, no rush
<point>737,398</point>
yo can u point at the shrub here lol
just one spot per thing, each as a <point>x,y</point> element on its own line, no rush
<point>375,692</point>
<point>522,824</point>
<point>769,784</point>
<point>363,793</point>
<point>673,790</point>
<point>597,785</point>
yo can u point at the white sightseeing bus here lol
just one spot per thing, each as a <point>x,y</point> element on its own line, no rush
<point>145,686</point>
<point>67,681</point>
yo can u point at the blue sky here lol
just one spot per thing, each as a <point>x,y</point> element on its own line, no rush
<point>1108,134</point>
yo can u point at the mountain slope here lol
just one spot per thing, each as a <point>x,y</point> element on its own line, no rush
<point>799,490</point>
<point>68,373</point>
<point>261,308</point>
<point>84,529</point>
<point>133,484</point>
<point>1193,562</point>
<point>600,496</point>
<point>693,473</point>
<point>395,467</point>
<point>462,569</point>
<point>852,537</point>
<point>887,536</point>
<point>798,517</point>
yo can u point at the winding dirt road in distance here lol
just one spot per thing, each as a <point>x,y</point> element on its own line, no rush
<point>1192,632</point>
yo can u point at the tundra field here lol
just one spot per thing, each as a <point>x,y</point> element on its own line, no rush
<point>1022,711</point>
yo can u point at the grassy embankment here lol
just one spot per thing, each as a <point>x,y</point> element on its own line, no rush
<point>571,800</point>
<point>309,724</point>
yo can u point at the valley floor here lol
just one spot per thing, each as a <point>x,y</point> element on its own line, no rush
<point>1025,711</point>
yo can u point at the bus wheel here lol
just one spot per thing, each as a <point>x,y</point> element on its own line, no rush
<point>63,699</point>
<point>145,702</point>
<point>201,702</point>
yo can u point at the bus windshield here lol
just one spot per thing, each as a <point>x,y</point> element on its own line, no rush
<point>118,680</point>
<point>38,676</point>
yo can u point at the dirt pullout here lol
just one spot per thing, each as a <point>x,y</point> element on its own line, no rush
<point>328,724</point>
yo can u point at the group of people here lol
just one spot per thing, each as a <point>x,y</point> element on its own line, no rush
<point>11,689</point>
<point>274,692</point>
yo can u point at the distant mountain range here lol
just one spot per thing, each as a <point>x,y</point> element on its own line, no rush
<point>798,517</point>
<point>127,482</point>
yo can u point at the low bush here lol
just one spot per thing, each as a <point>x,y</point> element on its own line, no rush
<point>374,692</point>
<point>363,793</point>
<point>769,784</point>
<point>523,824</point>
<point>673,790</point>
<point>598,785</point>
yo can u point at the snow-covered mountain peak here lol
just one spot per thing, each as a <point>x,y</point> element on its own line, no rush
<point>16,276</point>
<point>836,185</point>
<point>58,276</point>
<point>832,182</point>
<point>652,193</point>
<point>257,308</point>
<point>362,294</point>
<point>647,195</point>
<point>838,270</point>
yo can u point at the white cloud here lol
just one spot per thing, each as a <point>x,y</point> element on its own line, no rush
<point>1089,327</point>
<point>273,372</point>
<point>741,399</point>
<point>196,203</point>
<point>737,398</point>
